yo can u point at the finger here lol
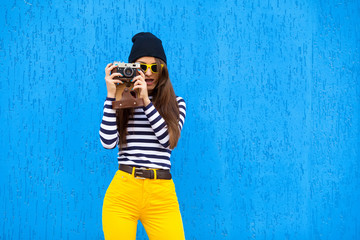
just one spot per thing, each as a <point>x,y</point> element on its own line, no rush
<point>112,67</point>
<point>136,87</point>
<point>114,81</point>
<point>116,74</point>
<point>109,69</point>
<point>138,78</point>
<point>136,84</point>
<point>139,82</point>
<point>141,73</point>
<point>118,81</point>
<point>107,66</point>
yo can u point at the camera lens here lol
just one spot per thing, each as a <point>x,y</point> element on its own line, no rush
<point>128,72</point>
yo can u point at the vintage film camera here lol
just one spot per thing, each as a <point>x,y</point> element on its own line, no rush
<point>125,98</point>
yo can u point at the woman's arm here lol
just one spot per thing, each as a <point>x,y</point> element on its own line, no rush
<point>182,110</point>
<point>108,129</point>
<point>158,124</point>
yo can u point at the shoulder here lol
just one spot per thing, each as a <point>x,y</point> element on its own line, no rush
<point>180,99</point>
<point>181,102</point>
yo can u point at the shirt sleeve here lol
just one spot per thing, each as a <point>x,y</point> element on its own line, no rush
<point>158,124</point>
<point>182,110</point>
<point>109,137</point>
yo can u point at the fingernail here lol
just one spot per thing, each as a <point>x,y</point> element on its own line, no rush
<point>131,80</point>
<point>139,70</point>
<point>132,89</point>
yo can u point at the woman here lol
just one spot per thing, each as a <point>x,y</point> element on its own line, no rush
<point>142,188</point>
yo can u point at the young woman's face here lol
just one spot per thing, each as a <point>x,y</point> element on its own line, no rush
<point>151,77</point>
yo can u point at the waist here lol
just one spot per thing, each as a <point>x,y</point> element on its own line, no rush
<point>146,173</point>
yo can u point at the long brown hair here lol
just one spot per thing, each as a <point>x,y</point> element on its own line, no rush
<point>164,100</point>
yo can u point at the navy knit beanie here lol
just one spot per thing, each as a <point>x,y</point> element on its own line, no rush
<point>146,44</point>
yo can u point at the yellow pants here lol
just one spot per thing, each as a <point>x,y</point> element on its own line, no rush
<point>152,201</point>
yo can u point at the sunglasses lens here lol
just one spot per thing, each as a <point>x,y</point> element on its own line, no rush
<point>154,68</point>
<point>143,67</point>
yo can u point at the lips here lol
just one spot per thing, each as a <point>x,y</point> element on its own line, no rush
<point>149,81</point>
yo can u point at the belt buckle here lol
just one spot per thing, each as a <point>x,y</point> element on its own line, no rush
<point>135,175</point>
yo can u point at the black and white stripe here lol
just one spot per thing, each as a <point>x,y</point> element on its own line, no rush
<point>147,139</point>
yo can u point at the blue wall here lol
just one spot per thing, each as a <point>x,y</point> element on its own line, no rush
<point>271,144</point>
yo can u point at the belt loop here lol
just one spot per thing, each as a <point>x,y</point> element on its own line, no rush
<point>133,171</point>
<point>155,177</point>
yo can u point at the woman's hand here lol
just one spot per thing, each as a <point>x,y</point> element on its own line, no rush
<point>110,81</point>
<point>140,84</point>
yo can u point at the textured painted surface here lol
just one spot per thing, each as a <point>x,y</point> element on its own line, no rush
<point>271,143</point>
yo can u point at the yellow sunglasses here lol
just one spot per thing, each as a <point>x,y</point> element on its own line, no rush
<point>153,67</point>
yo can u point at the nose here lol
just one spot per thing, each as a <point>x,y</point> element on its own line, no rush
<point>148,72</point>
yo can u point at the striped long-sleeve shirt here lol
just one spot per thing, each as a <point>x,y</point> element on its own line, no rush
<point>147,138</point>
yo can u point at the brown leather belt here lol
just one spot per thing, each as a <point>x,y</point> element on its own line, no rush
<point>142,173</point>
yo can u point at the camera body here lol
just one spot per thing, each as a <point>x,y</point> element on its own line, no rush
<point>125,96</point>
<point>128,70</point>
